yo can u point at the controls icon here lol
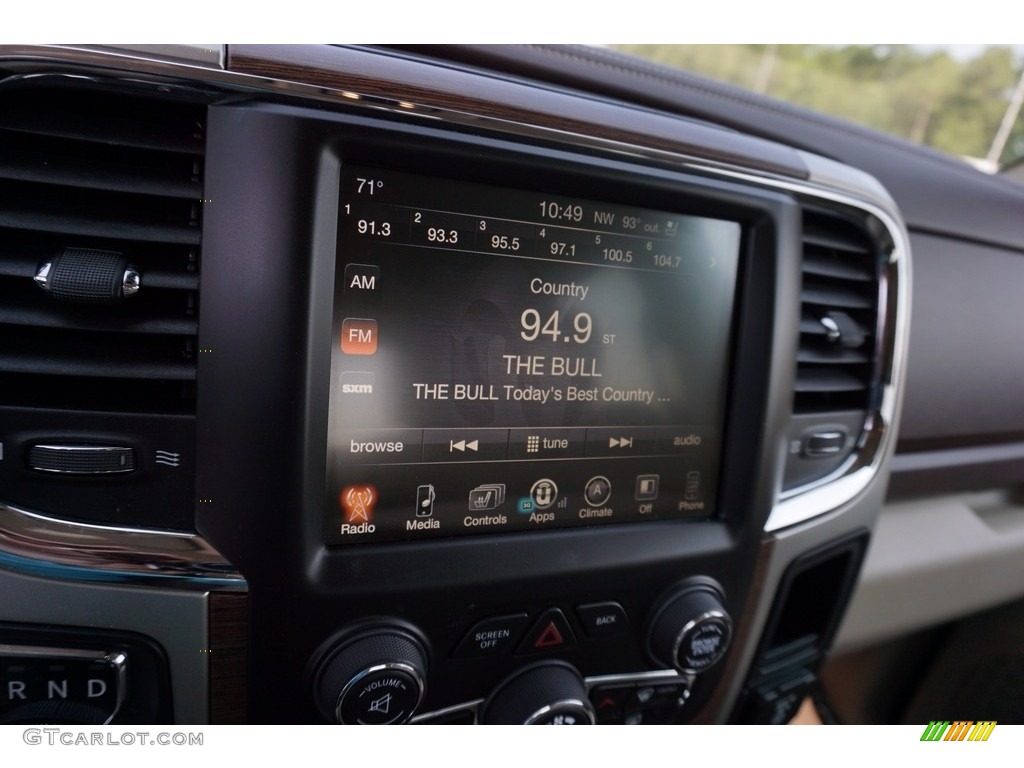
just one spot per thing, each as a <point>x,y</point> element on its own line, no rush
<point>485,497</point>
<point>647,487</point>
<point>425,500</point>
<point>357,502</point>
<point>597,491</point>
<point>544,493</point>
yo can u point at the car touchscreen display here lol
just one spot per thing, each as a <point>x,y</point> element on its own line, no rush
<point>509,360</point>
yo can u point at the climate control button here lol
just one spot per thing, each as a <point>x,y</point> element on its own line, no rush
<point>550,693</point>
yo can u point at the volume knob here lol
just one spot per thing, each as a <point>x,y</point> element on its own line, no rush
<point>375,678</point>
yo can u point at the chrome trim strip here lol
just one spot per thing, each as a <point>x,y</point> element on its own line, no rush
<point>625,678</point>
<point>654,676</point>
<point>472,707</point>
<point>208,55</point>
<point>829,181</point>
<point>36,544</point>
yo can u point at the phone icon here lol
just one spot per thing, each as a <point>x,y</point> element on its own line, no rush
<point>425,501</point>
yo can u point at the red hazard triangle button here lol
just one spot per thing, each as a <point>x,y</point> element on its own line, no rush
<point>550,632</point>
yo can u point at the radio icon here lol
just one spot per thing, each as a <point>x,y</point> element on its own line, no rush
<point>485,497</point>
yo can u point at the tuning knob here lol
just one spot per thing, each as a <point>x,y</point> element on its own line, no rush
<point>374,678</point>
<point>691,630</point>
<point>549,693</point>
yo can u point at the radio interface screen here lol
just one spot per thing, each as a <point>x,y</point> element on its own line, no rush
<point>508,360</point>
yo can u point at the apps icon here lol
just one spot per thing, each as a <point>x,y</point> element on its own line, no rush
<point>544,493</point>
<point>485,497</point>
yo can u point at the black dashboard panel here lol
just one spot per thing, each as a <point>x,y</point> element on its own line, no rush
<point>784,343</point>
<point>305,593</point>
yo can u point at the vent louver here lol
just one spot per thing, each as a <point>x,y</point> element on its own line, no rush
<point>838,315</point>
<point>91,171</point>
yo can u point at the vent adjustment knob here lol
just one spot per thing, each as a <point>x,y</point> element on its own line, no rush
<point>88,276</point>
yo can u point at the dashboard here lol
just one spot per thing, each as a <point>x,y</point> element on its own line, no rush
<point>379,385</point>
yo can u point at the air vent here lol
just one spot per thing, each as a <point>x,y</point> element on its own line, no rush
<point>838,315</point>
<point>99,184</point>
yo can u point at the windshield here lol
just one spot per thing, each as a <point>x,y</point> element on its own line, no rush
<point>964,100</point>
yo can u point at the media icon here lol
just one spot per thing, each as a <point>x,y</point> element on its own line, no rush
<point>485,497</point>
<point>647,487</point>
<point>544,493</point>
<point>425,501</point>
<point>357,502</point>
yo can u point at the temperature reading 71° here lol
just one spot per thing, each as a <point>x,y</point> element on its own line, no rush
<point>367,186</point>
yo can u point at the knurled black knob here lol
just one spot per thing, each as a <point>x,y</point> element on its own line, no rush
<point>691,630</point>
<point>374,678</point>
<point>548,693</point>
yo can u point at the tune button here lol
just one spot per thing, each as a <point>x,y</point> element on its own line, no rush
<point>691,630</point>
